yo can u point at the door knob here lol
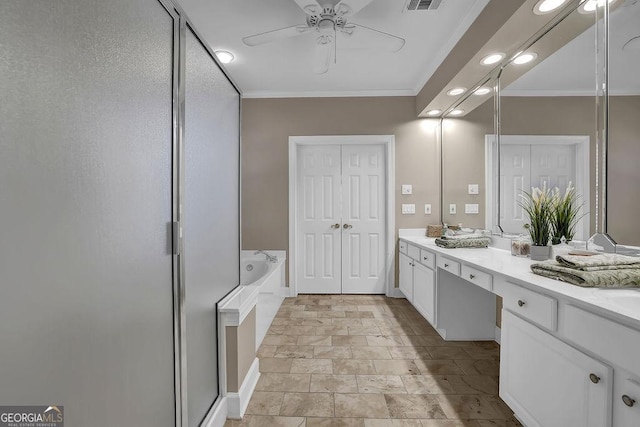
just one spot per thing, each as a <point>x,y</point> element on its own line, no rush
<point>347,226</point>
<point>594,378</point>
<point>336,226</point>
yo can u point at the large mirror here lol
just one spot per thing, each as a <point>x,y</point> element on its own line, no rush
<point>550,120</point>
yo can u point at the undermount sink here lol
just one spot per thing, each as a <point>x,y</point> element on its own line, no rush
<point>625,299</point>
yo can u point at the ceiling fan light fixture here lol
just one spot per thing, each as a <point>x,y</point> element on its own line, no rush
<point>543,7</point>
<point>456,91</point>
<point>456,112</point>
<point>224,56</point>
<point>524,58</point>
<point>493,58</point>
<point>481,91</point>
<point>433,113</point>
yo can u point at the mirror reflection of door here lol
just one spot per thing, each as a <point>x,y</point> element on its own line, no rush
<point>341,219</point>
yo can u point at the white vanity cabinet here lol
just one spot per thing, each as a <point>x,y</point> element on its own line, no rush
<point>406,277</point>
<point>549,383</point>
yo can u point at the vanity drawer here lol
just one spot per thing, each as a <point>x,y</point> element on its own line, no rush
<point>413,252</point>
<point>477,277</point>
<point>533,306</point>
<point>428,259</point>
<point>403,247</point>
<point>449,265</point>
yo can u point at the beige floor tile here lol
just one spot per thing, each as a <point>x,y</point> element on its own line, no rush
<point>409,353</point>
<point>332,330</point>
<point>361,405</point>
<point>265,403</point>
<point>267,420</point>
<point>266,351</point>
<point>350,340</point>
<point>472,407</point>
<point>303,314</point>
<point>332,352</point>
<point>396,330</point>
<point>280,340</point>
<point>320,321</point>
<point>346,322</point>
<point>333,383</point>
<point>438,367</point>
<point>301,330</point>
<point>396,367</point>
<point>499,423</point>
<point>337,314</point>
<point>307,405</point>
<point>391,423</point>
<point>479,366</point>
<point>428,384</point>
<point>355,314</point>
<point>271,364</point>
<point>335,422</point>
<point>474,384</point>
<point>283,382</point>
<point>294,351</point>
<point>346,308</point>
<point>450,423</point>
<point>423,340</point>
<point>478,352</point>
<point>311,366</point>
<point>364,330</point>
<point>380,384</point>
<point>414,406</point>
<point>276,330</point>
<point>317,307</point>
<point>385,341</point>
<point>446,352</point>
<point>314,340</point>
<point>370,352</point>
<point>352,366</point>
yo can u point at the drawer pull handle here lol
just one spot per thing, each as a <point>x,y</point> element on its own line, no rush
<point>520,302</point>
<point>628,401</point>
<point>471,276</point>
<point>446,265</point>
<point>594,378</point>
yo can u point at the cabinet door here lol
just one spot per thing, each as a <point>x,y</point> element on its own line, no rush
<point>406,276</point>
<point>424,291</point>
<point>626,399</point>
<point>547,382</point>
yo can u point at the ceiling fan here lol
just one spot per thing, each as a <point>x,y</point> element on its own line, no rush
<point>328,21</point>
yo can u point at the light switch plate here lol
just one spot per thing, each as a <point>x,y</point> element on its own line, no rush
<point>427,209</point>
<point>408,209</point>
<point>471,208</point>
<point>473,189</point>
<point>452,208</point>
<point>407,189</point>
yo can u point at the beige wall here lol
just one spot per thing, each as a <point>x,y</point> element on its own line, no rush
<point>267,125</point>
<point>241,351</point>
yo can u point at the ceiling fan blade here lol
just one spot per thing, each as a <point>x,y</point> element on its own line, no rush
<point>363,37</point>
<point>325,47</point>
<point>308,6</point>
<point>354,6</point>
<point>275,35</point>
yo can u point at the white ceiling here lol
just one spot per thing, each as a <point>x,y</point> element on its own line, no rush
<point>284,68</point>
<point>571,70</point>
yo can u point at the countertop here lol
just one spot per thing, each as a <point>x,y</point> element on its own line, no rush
<point>606,301</point>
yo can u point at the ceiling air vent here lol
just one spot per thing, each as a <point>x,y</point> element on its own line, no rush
<point>422,5</point>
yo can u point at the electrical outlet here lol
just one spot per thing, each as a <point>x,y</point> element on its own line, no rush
<point>452,208</point>
<point>427,209</point>
<point>471,208</point>
<point>407,189</point>
<point>408,209</point>
<point>473,189</point>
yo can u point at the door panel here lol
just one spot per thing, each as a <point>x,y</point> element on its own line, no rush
<point>363,167</point>
<point>318,212</point>
<point>211,222</point>
<point>515,176</point>
<point>86,296</point>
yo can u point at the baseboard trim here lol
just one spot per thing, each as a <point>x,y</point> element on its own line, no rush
<point>238,402</point>
<point>217,415</point>
<point>498,335</point>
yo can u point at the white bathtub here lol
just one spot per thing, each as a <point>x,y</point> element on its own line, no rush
<point>269,278</point>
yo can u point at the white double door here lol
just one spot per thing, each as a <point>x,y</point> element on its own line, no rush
<point>531,165</point>
<point>341,224</point>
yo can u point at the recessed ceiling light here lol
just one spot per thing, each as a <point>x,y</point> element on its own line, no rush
<point>456,91</point>
<point>456,112</point>
<point>590,6</point>
<point>492,59</point>
<point>482,91</point>
<point>433,113</point>
<point>525,57</point>
<point>224,56</point>
<point>546,6</point>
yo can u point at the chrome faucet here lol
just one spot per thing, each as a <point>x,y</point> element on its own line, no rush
<point>270,258</point>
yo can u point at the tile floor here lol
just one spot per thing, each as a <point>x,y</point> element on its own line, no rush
<point>370,361</point>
